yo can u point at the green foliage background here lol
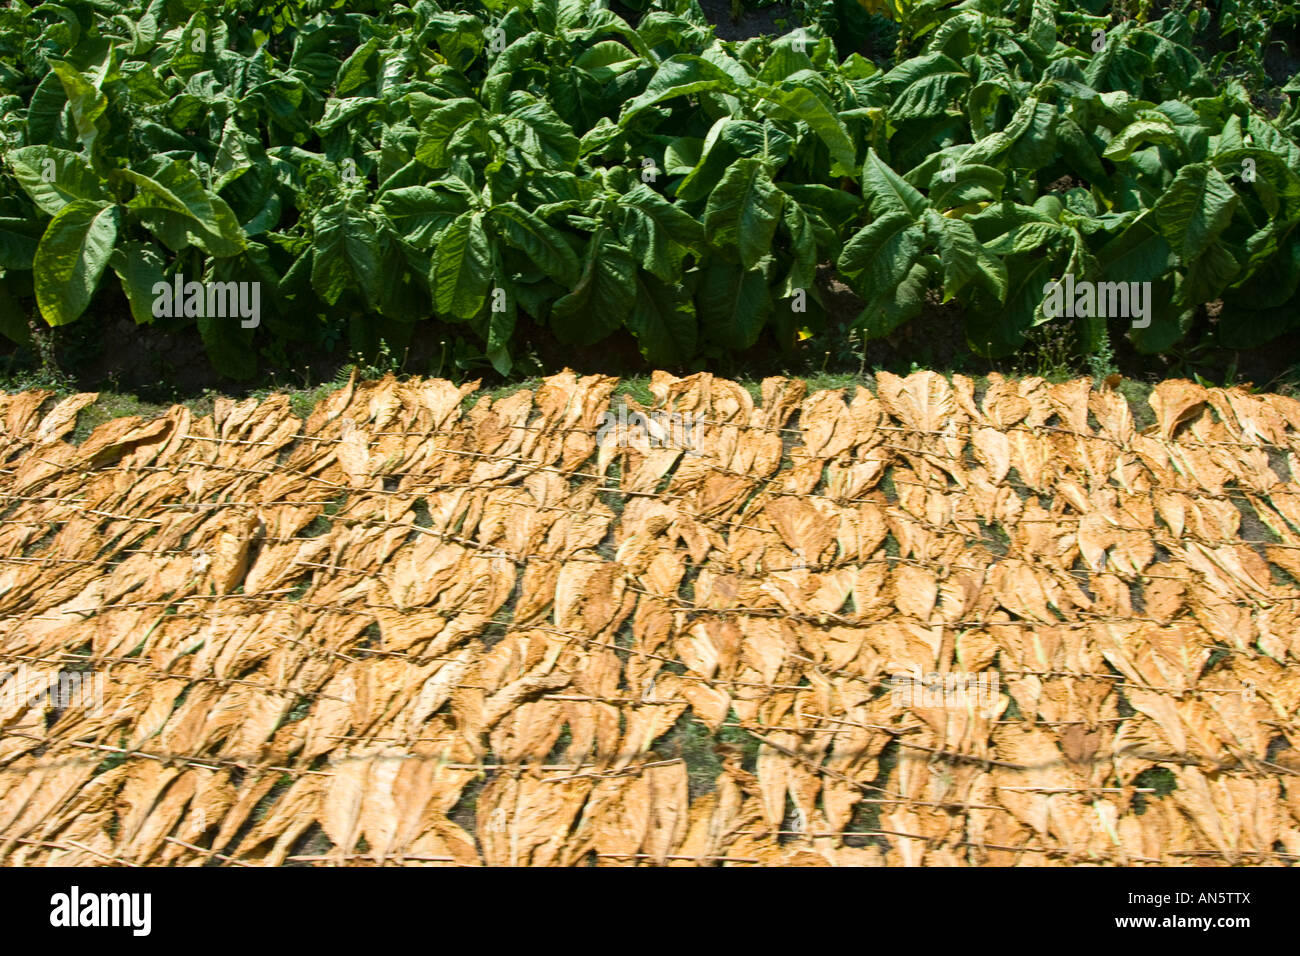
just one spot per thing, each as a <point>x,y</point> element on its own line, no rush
<point>526,169</point>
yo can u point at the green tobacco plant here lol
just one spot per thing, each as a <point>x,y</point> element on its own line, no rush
<point>517,170</point>
<point>1052,142</point>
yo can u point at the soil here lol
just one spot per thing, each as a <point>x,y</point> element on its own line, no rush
<point>751,23</point>
<point>732,24</point>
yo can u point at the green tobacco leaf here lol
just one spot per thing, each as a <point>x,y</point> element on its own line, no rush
<point>234,157</point>
<point>733,304</point>
<point>178,232</point>
<point>664,322</point>
<point>496,326</point>
<point>18,239</point>
<point>1029,140</point>
<point>45,110</point>
<point>443,121</point>
<point>71,257</point>
<point>763,140</point>
<point>173,187</point>
<point>880,256</point>
<point>680,75</point>
<point>542,243</point>
<point>961,185</point>
<point>715,156</point>
<point>358,69</point>
<point>1195,209</point>
<point>1028,237</point>
<point>501,326</point>
<point>784,60</point>
<point>1273,284</point>
<point>606,60</point>
<point>517,58</point>
<point>930,95</point>
<point>1209,274</point>
<point>649,242</point>
<point>835,206</point>
<point>603,297</point>
<point>404,281</point>
<point>1004,218</point>
<point>86,103</point>
<point>803,247</point>
<point>801,103</point>
<point>544,139</point>
<point>346,253</point>
<point>556,15</point>
<point>421,212</point>
<point>963,258</point>
<point>683,154</point>
<point>1275,182</point>
<point>1152,128</point>
<point>1042,27</point>
<point>173,192</point>
<point>459,37</point>
<point>995,329</point>
<point>895,306</point>
<point>599,137</point>
<point>462,267</point>
<point>743,211</point>
<point>193,50</point>
<point>346,113</point>
<point>282,102</point>
<point>888,192</point>
<point>1117,65</point>
<point>1139,254</point>
<point>667,217</point>
<point>55,177</point>
<point>139,265</point>
<point>1078,151</point>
